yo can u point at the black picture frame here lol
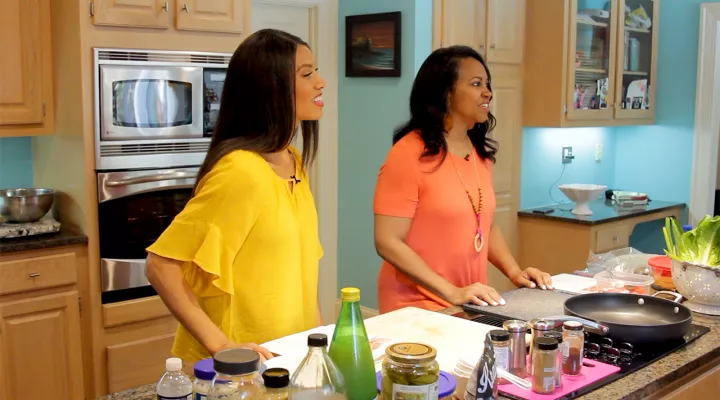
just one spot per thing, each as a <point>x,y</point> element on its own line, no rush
<point>361,60</point>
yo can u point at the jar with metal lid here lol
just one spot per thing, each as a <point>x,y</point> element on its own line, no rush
<point>544,365</point>
<point>572,356</point>
<point>204,374</point>
<point>237,376</point>
<point>410,370</point>
<point>518,352</point>
<point>558,354</point>
<point>501,347</point>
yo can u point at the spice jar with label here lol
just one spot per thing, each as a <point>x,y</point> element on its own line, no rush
<point>558,355</point>
<point>501,347</point>
<point>544,365</point>
<point>574,339</point>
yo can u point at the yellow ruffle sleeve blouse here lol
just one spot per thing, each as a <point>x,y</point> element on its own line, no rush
<point>251,249</point>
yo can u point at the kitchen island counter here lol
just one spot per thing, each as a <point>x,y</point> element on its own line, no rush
<point>660,377</point>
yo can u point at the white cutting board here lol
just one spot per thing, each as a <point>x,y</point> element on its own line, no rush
<point>452,337</point>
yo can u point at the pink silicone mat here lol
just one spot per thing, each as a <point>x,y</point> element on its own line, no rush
<point>570,383</point>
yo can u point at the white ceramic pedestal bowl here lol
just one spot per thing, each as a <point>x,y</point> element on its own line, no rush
<point>582,194</point>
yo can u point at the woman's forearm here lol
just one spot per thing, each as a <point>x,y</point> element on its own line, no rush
<point>168,281</point>
<point>499,254</point>
<point>401,256</point>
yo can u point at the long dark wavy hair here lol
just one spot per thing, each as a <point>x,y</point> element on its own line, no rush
<point>257,108</point>
<point>433,85</point>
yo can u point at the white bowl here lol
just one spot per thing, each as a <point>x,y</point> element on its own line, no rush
<point>582,194</point>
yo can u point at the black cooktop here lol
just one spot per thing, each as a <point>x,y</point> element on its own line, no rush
<point>627,356</point>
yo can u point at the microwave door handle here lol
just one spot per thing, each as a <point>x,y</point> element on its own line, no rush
<point>170,176</point>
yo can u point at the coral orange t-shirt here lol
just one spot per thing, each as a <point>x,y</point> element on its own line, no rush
<point>443,220</point>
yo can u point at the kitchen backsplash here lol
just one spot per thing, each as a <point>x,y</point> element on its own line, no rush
<point>16,162</point>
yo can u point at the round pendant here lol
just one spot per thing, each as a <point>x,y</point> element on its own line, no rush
<point>479,242</point>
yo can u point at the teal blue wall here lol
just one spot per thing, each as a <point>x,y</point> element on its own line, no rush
<point>369,111</point>
<point>16,163</point>
<point>542,168</point>
<point>655,159</point>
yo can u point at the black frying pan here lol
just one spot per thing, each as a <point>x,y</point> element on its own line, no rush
<point>632,318</point>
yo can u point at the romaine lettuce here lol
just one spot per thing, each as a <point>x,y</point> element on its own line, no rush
<point>699,246</point>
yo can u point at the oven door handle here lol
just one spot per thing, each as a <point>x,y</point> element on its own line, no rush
<point>169,176</point>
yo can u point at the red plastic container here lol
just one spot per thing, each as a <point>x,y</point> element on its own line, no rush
<point>662,271</point>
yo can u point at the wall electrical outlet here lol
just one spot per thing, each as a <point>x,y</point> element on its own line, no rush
<point>598,152</point>
<point>567,155</point>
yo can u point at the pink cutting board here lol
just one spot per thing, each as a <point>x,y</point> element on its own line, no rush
<point>570,383</point>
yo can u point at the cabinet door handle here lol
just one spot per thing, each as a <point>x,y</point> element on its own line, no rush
<point>616,238</point>
<point>34,274</point>
<point>186,8</point>
<point>482,45</point>
<point>492,46</point>
<point>165,6</point>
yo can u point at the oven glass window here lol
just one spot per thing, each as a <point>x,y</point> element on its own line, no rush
<point>151,103</point>
<point>128,225</point>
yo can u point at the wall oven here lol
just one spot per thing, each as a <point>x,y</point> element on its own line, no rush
<point>155,109</point>
<point>134,208</point>
<point>154,116</point>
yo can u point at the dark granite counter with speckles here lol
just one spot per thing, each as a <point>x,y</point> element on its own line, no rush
<point>603,212</point>
<point>533,303</point>
<point>65,237</point>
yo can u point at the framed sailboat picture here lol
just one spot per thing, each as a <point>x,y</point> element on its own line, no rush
<point>373,45</point>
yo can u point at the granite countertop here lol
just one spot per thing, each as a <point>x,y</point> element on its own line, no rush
<point>603,212</point>
<point>65,237</point>
<point>547,303</point>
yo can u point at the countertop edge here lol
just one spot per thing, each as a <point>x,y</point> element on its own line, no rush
<point>44,241</point>
<point>527,213</point>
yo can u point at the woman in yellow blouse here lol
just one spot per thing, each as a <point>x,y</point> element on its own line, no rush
<point>239,265</point>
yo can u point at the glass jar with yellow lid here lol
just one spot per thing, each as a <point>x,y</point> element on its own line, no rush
<point>409,370</point>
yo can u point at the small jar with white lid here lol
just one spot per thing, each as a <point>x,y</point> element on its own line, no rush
<point>204,374</point>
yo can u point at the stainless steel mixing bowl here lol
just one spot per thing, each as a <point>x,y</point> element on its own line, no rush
<point>25,205</point>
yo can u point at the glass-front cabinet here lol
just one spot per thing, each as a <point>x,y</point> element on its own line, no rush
<point>590,62</point>
<point>637,50</point>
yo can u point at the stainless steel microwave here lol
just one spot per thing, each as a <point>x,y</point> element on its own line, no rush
<point>155,109</point>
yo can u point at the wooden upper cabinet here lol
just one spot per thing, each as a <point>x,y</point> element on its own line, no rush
<point>505,31</point>
<point>593,61</point>
<point>495,28</point>
<point>26,84</point>
<point>211,15</point>
<point>131,13</point>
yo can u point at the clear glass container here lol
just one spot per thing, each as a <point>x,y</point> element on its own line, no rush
<point>574,339</point>
<point>410,369</point>
<point>544,362</point>
<point>317,377</point>
<point>558,355</point>
<point>236,375</point>
<point>277,384</point>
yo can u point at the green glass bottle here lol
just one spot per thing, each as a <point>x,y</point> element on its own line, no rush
<point>350,349</point>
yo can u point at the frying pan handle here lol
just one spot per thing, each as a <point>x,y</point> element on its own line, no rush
<point>676,297</point>
<point>594,326</point>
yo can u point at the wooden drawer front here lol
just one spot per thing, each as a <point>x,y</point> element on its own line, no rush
<point>131,311</point>
<point>613,238</point>
<point>37,273</point>
<point>134,364</point>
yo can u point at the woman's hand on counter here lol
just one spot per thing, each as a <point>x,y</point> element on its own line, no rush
<point>477,293</point>
<point>265,354</point>
<point>532,277</point>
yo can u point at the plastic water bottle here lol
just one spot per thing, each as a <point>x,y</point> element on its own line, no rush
<point>174,385</point>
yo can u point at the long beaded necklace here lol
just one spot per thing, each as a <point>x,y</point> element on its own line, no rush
<point>479,240</point>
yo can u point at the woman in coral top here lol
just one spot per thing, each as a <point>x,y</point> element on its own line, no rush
<point>434,200</point>
<point>239,265</point>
